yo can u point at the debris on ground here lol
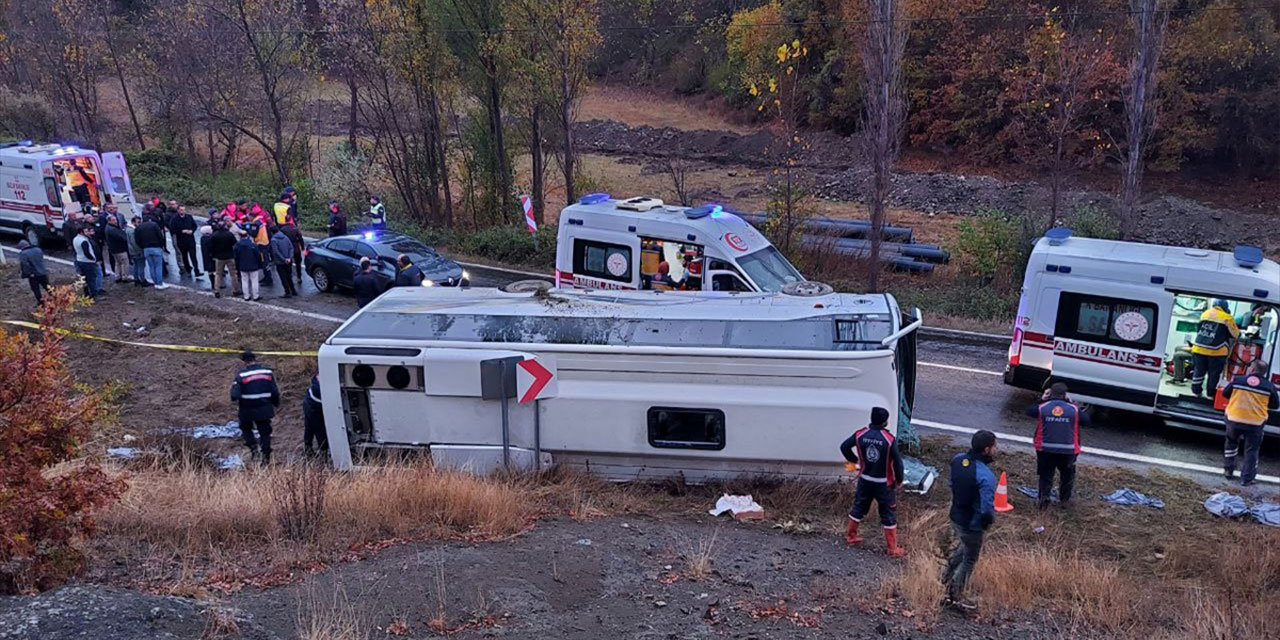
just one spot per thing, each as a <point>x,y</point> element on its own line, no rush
<point>742,507</point>
<point>123,453</point>
<point>1129,497</point>
<point>229,430</point>
<point>917,477</point>
<point>1267,513</point>
<point>1034,494</point>
<point>1226,505</point>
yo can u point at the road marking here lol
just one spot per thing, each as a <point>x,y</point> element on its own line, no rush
<point>953,367</point>
<point>55,260</point>
<point>1105,453</point>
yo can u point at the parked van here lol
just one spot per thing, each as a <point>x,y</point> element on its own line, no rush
<point>605,243</point>
<point>624,384</point>
<point>1115,321</point>
<point>40,185</point>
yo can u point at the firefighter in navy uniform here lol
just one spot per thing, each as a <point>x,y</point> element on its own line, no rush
<point>1211,346</point>
<point>256,391</point>
<point>1249,398</point>
<point>1057,441</point>
<point>315,441</point>
<point>880,470</point>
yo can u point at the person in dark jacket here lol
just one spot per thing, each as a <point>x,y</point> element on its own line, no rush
<point>150,237</point>
<point>71,227</point>
<point>256,393</point>
<point>118,248</point>
<point>137,263</point>
<point>205,234</point>
<point>973,511</point>
<point>31,264</point>
<point>1057,441</point>
<point>875,451</point>
<point>366,285</point>
<point>407,273</point>
<point>249,263</point>
<point>337,220</point>
<point>313,432</point>
<point>222,246</point>
<point>1250,398</point>
<point>283,256</point>
<point>299,245</point>
<point>183,227</point>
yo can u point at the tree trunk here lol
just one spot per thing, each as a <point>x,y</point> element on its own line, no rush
<point>503,176</point>
<point>566,123</point>
<point>353,118</point>
<point>1149,22</point>
<point>124,86</point>
<point>213,162</point>
<point>441,150</point>
<point>539,162</point>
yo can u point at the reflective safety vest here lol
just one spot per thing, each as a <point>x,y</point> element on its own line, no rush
<point>1058,427</point>
<point>1216,331</point>
<point>282,212</point>
<point>650,258</point>
<point>1249,397</point>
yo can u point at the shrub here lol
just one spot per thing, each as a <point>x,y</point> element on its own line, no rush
<point>1092,222</point>
<point>24,115</point>
<point>992,247</point>
<point>341,176</point>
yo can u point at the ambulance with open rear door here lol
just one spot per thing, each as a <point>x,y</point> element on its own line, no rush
<point>1115,321</point>
<point>41,185</point>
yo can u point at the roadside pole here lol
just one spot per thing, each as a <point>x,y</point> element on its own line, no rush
<point>526,203</point>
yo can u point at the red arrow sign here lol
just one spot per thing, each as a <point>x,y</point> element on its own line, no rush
<point>541,376</point>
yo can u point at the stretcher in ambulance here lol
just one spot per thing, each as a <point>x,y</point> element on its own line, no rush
<point>1115,321</point>
<point>643,244</point>
<point>40,185</point>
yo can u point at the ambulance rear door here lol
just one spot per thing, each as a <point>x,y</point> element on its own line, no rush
<point>117,184</point>
<point>1109,348</point>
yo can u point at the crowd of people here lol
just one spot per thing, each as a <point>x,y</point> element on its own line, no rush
<point>241,246</point>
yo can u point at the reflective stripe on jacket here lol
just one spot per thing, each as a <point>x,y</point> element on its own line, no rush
<point>1216,331</point>
<point>1058,427</point>
<point>1249,398</point>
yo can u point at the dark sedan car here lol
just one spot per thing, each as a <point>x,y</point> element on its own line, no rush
<point>333,262</point>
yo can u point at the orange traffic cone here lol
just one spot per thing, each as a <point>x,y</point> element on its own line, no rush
<point>1002,494</point>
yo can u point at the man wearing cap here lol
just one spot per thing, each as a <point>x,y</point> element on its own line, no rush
<point>1211,345</point>
<point>875,451</point>
<point>31,264</point>
<point>1249,399</point>
<point>258,396</point>
<point>377,213</point>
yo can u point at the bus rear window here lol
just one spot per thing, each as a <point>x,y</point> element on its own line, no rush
<point>1103,320</point>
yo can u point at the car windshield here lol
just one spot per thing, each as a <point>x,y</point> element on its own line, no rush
<point>409,245</point>
<point>769,269</point>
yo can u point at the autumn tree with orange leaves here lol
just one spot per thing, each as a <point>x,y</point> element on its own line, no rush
<point>47,494</point>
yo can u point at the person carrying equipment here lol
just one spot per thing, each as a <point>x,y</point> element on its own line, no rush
<point>1249,398</point>
<point>1057,441</point>
<point>258,396</point>
<point>973,492</point>
<point>880,470</point>
<point>1211,345</point>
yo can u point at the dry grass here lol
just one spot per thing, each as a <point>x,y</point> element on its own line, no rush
<point>645,108</point>
<point>330,618</point>
<point>699,556</point>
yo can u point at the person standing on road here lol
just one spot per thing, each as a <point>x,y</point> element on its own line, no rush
<point>313,432</point>
<point>337,220</point>
<point>249,263</point>
<point>137,264</point>
<point>222,246</point>
<point>151,238</point>
<point>71,227</point>
<point>183,227</point>
<point>1057,441</point>
<point>86,253</point>
<point>1249,398</point>
<point>257,394</point>
<point>282,255</point>
<point>973,511</point>
<point>377,213</point>
<point>290,229</point>
<point>875,451</point>
<point>118,247</point>
<point>31,264</point>
<point>100,223</point>
<point>205,232</point>
<point>258,230</point>
<point>366,285</point>
<point>407,273</point>
<point>1210,348</point>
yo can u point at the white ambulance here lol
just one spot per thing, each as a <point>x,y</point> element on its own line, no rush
<point>605,243</point>
<point>1115,321</point>
<point>40,185</point>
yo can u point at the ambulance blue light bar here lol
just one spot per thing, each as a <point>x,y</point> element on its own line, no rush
<point>1057,235</point>
<point>594,198</point>
<point>702,211</point>
<point>1247,256</point>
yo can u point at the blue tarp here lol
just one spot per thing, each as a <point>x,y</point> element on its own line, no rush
<point>1226,505</point>
<point>1267,513</point>
<point>229,430</point>
<point>1127,496</point>
<point>1034,494</point>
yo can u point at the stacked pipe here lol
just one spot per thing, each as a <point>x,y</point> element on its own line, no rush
<point>852,238</point>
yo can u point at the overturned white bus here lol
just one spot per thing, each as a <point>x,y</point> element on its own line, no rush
<point>628,385</point>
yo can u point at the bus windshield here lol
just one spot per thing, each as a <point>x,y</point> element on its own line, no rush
<point>769,269</point>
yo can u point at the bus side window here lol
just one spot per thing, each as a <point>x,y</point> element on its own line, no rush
<point>53,193</point>
<point>602,260</point>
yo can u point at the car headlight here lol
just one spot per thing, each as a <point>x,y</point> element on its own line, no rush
<point>466,275</point>
<point>428,283</point>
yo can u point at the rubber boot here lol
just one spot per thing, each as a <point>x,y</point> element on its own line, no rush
<point>891,544</point>
<point>851,533</point>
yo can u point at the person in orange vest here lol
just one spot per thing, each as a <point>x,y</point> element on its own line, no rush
<point>662,281</point>
<point>875,451</point>
<point>1210,347</point>
<point>1057,441</point>
<point>1249,399</point>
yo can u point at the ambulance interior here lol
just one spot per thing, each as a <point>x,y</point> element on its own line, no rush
<point>77,180</point>
<point>684,265</point>
<point>1259,330</point>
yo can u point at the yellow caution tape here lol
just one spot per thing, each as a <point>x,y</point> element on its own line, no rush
<point>169,347</point>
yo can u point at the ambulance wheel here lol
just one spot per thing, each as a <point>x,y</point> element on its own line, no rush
<point>526,286</point>
<point>32,234</point>
<point>321,278</point>
<point>807,289</point>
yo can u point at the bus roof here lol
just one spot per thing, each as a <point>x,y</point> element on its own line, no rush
<point>1174,268</point>
<point>633,318</point>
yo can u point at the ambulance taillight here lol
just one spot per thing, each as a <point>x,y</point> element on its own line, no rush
<point>1015,348</point>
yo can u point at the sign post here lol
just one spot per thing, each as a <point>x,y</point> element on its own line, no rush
<point>526,203</point>
<point>498,382</point>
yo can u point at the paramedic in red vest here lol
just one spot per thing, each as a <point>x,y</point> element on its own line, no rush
<point>875,450</point>
<point>1057,441</point>
<point>1210,348</point>
<point>1249,397</point>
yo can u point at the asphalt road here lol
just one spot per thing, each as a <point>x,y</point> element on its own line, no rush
<point>959,383</point>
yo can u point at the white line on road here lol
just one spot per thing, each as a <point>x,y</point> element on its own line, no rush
<point>57,260</point>
<point>1106,453</point>
<point>953,367</point>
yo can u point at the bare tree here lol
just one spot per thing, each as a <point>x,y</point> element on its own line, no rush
<point>575,24</point>
<point>110,29</point>
<point>883,43</point>
<point>677,168</point>
<point>1149,18</point>
<point>62,56</point>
